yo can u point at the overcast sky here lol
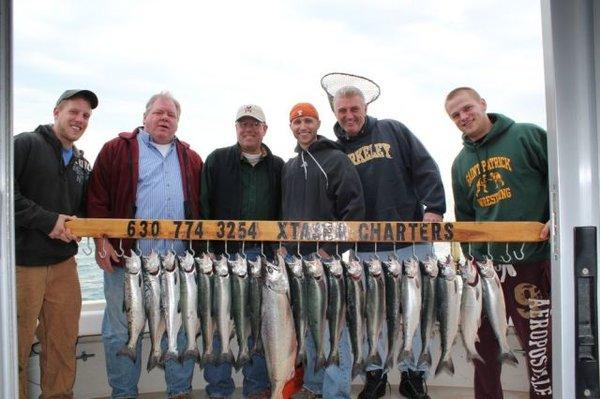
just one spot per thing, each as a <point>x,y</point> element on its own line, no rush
<point>215,56</point>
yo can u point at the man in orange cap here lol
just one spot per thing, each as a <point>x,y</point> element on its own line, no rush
<point>321,183</point>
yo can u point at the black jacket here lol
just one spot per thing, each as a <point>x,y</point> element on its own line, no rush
<point>221,187</point>
<point>321,183</point>
<point>44,188</point>
<point>399,177</point>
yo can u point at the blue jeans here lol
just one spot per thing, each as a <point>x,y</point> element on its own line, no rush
<point>218,378</point>
<point>333,381</point>
<point>220,383</point>
<point>123,375</point>
<point>421,251</point>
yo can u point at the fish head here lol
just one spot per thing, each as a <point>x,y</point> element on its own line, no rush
<point>186,262</point>
<point>486,268</point>
<point>430,266</point>
<point>255,266</point>
<point>294,264</point>
<point>355,269</point>
<point>275,277</point>
<point>169,261</point>
<point>393,265</point>
<point>133,263</point>
<point>221,266</point>
<point>334,266</point>
<point>411,267</point>
<point>447,270</point>
<point>239,266</point>
<point>314,268</point>
<point>151,263</point>
<point>205,263</point>
<point>374,266</point>
<point>468,271</point>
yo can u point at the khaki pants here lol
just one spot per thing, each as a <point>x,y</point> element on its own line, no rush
<point>52,295</point>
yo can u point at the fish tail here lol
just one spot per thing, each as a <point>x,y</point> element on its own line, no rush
<point>447,365</point>
<point>207,358</point>
<point>358,368</point>
<point>425,359</point>
<point>334,359</point>
<point>193,354</point>
<point>167,356</point>
<point>404,356</point>
<point>243,358</point>
<point>320,363</point>
<point>389,361</point>
<point>508,357</point>
<point>301,359</point>
<point>154,361</point>
<point>225,358</point>
<point>374,359</point>
<point>128,352</point>
<point>471,356</point>
<point>258,348</point>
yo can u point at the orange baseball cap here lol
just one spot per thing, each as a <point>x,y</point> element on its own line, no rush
<point>303,109</point>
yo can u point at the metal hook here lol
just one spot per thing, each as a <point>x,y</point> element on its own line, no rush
<point>337,249</point>
<point>207,246</point>
<point>521,251</point>
<point>191,250</point>
<point>489,253</point>
<point>508,254</point>
<point>414,251</point>
<point>121,252</point>
<point>243,251</point>
<point>172,246</point>
<point>87,249</point>
<point>376,255</point>
<point>298,250</point>
<point>137,249</point>
<point>225,251</point>
<point>103,253</point>
<point>262,249</point>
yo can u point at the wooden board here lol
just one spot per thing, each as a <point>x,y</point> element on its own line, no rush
<point>249,230</point>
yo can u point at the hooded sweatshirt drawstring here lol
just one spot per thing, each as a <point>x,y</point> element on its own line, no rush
<point>305,166</point>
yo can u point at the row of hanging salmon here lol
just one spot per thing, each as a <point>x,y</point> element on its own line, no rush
<point>278,302</point>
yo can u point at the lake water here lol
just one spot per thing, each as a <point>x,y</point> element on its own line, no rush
<point>90,275</point>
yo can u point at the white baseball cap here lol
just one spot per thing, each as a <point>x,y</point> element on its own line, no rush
<point>251,110</point>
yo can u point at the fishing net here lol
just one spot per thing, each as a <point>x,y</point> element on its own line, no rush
<point>334,81</point>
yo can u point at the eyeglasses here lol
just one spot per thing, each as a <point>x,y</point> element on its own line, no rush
<point>245,124</point>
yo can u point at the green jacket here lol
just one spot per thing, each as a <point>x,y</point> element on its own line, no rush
<point>504,177</point>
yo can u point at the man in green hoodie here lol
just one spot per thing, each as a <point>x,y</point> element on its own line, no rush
<point>501,174</point>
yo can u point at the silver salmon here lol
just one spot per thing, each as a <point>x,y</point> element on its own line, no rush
<point>255,268</point>
<point>470,308</point>
<point>240,299</point>
<point>355,294</point>
<point>189,300</point>
<point>222,308</point>
<point>449,293</point>
<point>316,301</point>
<point>298,296</point>
<point>495,308</point>
<point>429,274</point>
<point>152,300</point>
<point>171,304</point>
<point>411,304</point>
<point>133,305</point>
<point>393,281</point>
<point>205,294</point>
<point>375,308</point>
<point>336,307</point>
